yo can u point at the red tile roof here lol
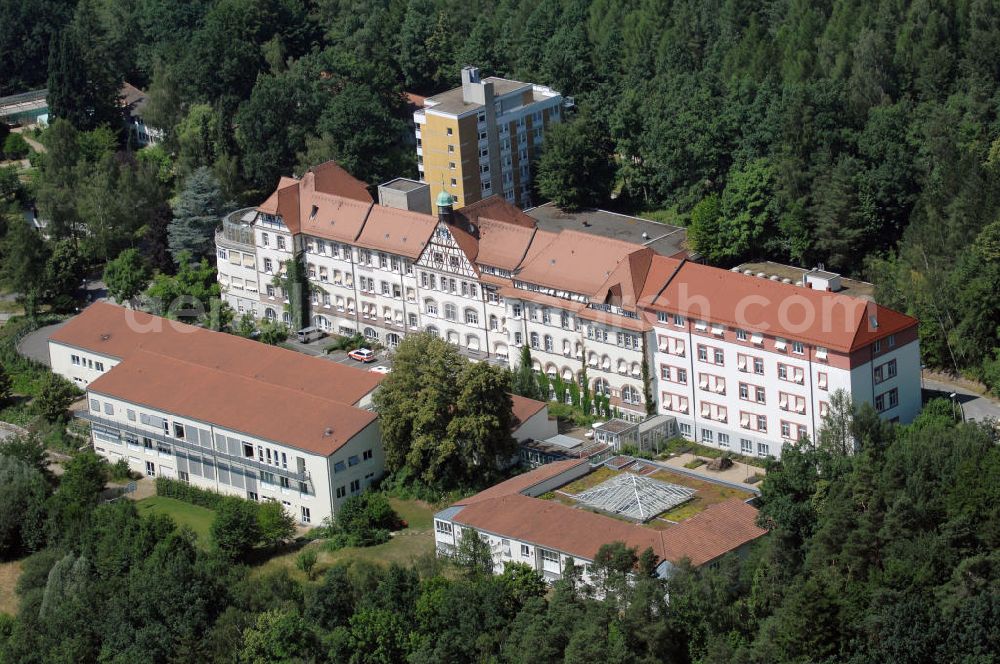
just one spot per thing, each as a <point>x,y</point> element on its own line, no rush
<point>118,332</point>
<point>821,318</point>
<point>503,244</point>
<point>341,203</point>
<point>504,510</point>
<point>330,178</point>
<point>578,262</point>
<point>233,401</point>
<point>495,207</point>
<point>397,231</point>
<point>718,529</point>
<point>524,408</point>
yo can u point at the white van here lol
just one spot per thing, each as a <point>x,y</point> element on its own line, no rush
<point>307,334</point>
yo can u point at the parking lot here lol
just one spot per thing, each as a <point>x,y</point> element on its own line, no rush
<point>318,349</point>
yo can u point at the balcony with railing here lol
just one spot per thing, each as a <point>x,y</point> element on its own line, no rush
<point>245,462</point>
<point>236,231</point>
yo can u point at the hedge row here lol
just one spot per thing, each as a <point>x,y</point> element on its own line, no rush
<point>178,490</point>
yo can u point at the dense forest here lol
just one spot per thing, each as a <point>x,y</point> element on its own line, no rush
<point>886,555</point>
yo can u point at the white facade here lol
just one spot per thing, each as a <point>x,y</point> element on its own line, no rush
<point>752,393</point>
<point>488,287</point>
<point>548,562</point>
<point>158,444</point>
<point>79,365</point>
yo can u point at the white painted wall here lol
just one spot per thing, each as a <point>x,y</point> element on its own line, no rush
<point>82,373</point>
<point>320,497</point>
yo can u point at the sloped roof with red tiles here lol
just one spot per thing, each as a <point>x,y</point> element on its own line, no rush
<point>327,202</point>
<point>497,208</point>
<point>115,331</point>
<point>720,528</point>
<point>503,244</point>
<point>234,401</point>
<point>271,204</point>
<point>822,318</point>
<point>626,281</point>
<point>336,218</point>
<point>575,261</point>
<point>331,178</point>
<point>524,408</point>
<point>467,242</point>
<point>397,231</point>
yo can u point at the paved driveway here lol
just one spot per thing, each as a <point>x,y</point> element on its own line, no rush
<point>973,406</point>
<point>36,344</point>
<point>318,349</point>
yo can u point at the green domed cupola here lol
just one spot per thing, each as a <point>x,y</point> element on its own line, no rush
<point>445,199</point>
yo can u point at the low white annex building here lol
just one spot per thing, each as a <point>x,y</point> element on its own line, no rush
<point>521,527</point>
<point>222,412</point>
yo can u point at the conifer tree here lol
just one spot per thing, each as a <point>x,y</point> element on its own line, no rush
<point>198,210</point>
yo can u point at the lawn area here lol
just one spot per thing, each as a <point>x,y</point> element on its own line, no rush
<point>9,573</point>
<point>589,480</point>
<point>706,493</point>
<point>199,519</point>
<point>405,546</point>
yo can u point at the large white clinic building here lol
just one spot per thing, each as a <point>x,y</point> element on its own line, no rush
<point>744,363</point>
<point>221,412</point>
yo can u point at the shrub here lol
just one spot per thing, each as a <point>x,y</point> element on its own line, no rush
<point>120,470</point>
<point>364,520</point>
<point>15,147</point>
<point>54,398</point>
<point>191,494</point>
<point>274,522</point>
<point>306,561</point>
<point>236,530</point>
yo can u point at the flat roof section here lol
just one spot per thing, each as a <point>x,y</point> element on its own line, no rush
<point>403,184</point>
<point>852,287</point>
<point>664,239</point>
<point>452,102</point>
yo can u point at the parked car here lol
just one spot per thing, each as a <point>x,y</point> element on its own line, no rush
<point>362,355</point>
<point>307,334</point>
<point>382,369</point>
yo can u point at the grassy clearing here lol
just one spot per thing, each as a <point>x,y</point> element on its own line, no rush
<point>414,541</point>
<point>9,573</point>
<point>706,493</point>
<point>590,480</point>
<point>199,519</point>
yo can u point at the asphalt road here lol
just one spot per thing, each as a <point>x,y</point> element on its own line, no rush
<point>974,406</point>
